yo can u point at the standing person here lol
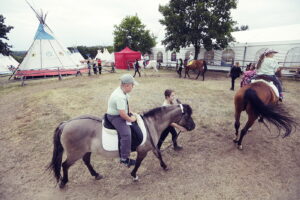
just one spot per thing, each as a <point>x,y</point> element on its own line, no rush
<point>235,72</point>
<point>180,67</point>
<point>99,62</point>
<point>136,68</point>
<point>119,115</point>
<point>170,100</point>
<point>267,66</point>
<point>95,68</point>
<point>89,66</point>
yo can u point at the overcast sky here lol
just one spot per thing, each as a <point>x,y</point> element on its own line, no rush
<point>91,22</point>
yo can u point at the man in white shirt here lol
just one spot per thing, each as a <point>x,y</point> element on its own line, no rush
<point>118,114</point>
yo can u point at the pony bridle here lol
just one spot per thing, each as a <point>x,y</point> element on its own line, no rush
<point>182,113</point>
<point>181,106</point>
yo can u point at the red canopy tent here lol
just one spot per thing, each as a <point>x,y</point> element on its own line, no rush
<point>126,56</point>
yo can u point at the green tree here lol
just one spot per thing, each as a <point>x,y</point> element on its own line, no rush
<point>197,22</point>
<point>4,47</point>
<point>132,33</point>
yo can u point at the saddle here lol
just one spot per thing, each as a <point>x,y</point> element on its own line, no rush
<point>270,83</point>
<point>190,62</point>
<point>111,138</point>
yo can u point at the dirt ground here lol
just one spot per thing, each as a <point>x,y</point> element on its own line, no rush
<point>209,166</point>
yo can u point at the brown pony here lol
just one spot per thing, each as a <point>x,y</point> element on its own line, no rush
<point>198,65</point>
<point>260,101</point>
<point>82,136</point>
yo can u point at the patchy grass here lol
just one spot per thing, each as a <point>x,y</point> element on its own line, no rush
<point>209,167</point>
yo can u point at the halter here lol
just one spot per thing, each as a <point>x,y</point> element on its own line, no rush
<point>182,112</point>
<point>181,106</point>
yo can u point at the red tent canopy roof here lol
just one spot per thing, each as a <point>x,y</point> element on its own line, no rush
<point>127,50</point>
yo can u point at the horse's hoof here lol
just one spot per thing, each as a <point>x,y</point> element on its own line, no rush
<point>235,140</point>
<point>98,177</point>
<point>166,168</point>
<point>135,179</point>
<point>62,185</point>
<point>240,147</point>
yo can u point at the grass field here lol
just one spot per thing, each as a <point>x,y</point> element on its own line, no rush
<point>209,166</point>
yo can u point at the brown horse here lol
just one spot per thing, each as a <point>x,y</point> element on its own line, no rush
<point>260,101</point>
<point>81,136</point>
<point>198,65</point>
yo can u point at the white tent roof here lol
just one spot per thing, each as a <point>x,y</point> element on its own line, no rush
<point>46,52</point>
<point>6,62</point>
<point>105,56</point>
<point>272,34</point>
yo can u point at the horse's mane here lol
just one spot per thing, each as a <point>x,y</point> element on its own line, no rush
<point>187,109</point>
<point>92,117</point>
<point>153,111</point>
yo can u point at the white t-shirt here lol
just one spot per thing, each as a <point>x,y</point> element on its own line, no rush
<point>117,101</point>
<point>268,67</point>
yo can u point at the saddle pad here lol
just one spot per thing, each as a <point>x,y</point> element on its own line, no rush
<point>110,136</point>
<point>191,62</point>
<point>271,84</point>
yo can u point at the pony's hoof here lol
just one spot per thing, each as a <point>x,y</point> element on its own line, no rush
<point>235,140</point>
<point>240,147</point>
<point>166,168</point>
<point>62,185</point>
<point>135,179</point>
<point>98,177</point>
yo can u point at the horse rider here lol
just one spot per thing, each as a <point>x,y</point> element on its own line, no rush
<point>191,58</point>
<point>170,100</point>
<point>119,115</point>
<point>267,66</point>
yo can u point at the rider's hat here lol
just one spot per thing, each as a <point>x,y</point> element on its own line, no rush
<point>128,78</point>
<point>268,51</point>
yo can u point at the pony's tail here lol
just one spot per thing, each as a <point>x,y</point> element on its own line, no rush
<point>55,164</point>
<point>205,66</point>
<point>274,113</point>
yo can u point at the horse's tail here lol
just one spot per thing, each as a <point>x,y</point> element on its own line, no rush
<point>274,113</point>
<point>55,164</point>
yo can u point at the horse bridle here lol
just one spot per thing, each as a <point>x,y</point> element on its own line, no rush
<point>182,113</point>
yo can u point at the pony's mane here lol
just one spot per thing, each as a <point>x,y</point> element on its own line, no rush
<point>153,111</point>
<point>187,109</point>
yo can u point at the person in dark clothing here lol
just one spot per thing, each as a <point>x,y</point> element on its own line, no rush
<point>99,65</point>
<point>180,67</point>
<point>136,68</point>
<point>95,68</point>
<point>89,66</point>
<point>235,72</point>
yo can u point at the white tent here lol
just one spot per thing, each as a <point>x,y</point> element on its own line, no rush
<point>7,63</point>
<point>99,55</point>
<point>106,57</point>
<point>77,57</point>
<point>47,56</point>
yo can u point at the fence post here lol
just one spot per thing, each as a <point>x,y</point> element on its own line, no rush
<point>23,80</point>
<point>59,75</point>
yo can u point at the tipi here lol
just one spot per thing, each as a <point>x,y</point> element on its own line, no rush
<point>7,63</point>
<point>47,56</point>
